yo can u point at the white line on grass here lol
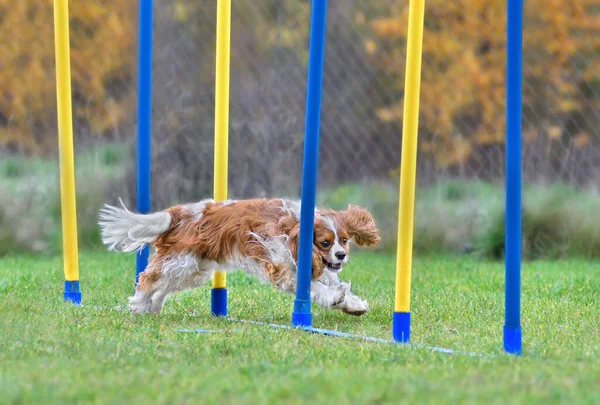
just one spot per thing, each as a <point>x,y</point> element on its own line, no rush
<point>313,330</point>
<point>366,338</point>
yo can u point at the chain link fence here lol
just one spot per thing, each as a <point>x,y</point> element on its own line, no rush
<point>462,110</point>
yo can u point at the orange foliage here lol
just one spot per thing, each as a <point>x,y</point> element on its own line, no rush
<point>102,38</point>
<point>463,76</point>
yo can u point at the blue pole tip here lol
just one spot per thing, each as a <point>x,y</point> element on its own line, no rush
<point>219,301</point>
<point>72,292</point>
<point>401,327</point>
<point>513,342</point>
<point>301,319</point>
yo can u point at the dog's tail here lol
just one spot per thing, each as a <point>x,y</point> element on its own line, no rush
<point>125,231</point>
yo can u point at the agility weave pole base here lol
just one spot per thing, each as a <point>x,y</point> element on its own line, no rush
<point>72,292</point>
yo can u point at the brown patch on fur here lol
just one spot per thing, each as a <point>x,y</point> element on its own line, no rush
<point>318,267</point>
<point>152,273</point>
<point>225,230</point>
<point>291,227</point>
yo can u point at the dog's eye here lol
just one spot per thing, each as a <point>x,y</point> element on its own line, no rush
<point>325,243</point>
<point>345,240</point>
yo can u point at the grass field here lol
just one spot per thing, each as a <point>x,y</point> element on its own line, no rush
<point>52,352</point>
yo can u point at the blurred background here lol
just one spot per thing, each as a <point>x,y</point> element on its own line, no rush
<point>461,146</point>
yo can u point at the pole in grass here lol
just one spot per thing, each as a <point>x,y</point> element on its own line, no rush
<point>408,172</point>
<point>144,123</point>
<point>302,315</point>
<point>219,290</point>
<point>514,78</point>
<point>67,161</point>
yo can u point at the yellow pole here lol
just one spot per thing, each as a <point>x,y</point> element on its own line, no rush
<point>408,167</point>
<point>65,139</point>
<point>222,111</point>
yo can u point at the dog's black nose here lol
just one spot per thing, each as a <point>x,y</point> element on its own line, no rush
<point>340,255</point>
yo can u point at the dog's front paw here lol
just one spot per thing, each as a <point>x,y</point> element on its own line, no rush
<point>352,304</point>
<point>355,306</point>
<point>138,310</point>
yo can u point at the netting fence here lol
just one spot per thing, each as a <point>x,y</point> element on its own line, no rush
<point>462,103</point>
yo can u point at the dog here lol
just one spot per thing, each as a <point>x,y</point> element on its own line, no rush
<point>258,236</point>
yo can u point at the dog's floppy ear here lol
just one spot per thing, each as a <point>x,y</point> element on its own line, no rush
<point>293,231</point>
<point>360,225</point>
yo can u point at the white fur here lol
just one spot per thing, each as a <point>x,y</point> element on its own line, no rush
<point>125,231</point>
<point>278,248</point>
<point>326,296</point>
<point>198,208</point>
<point>279,253</point>
<point>332,286</point>
<point>179,272</point>
<point>291,208</point>
<point>352,304</point>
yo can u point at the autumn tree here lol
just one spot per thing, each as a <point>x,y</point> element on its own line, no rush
<point>103,39</point>
<point>463,74</point>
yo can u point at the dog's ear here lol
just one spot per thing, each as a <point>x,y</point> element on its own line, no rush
<point>293,232</point>
<point>360,225</point>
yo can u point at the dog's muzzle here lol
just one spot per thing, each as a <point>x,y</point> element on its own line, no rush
<point>334,267</point>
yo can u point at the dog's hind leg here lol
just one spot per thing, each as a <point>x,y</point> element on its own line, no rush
<point>168,275</point>
<point>140,302</point>
<point>168,286</point>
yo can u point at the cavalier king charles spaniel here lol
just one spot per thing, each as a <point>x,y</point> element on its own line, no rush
<point>258,236</point>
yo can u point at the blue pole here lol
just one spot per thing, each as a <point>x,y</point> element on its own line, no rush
<point>514,79</point>
<point>144,122</point>
<point>302,315</point>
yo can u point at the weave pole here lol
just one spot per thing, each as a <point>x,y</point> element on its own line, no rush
<point>72,291</point>
<point>408,172</point>
<point>514,81</point>
<point>219,290</point>
<point>302,315</point>
<point>144,124</point>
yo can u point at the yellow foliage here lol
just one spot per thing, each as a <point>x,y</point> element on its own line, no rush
<point>370,46</point>
<point>389,28</point>
<point>554,132</point>
<point>102,54</point>
<point>391,113</point>
<point>463,72</point>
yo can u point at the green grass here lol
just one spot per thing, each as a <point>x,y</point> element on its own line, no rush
<point>52,352</point>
